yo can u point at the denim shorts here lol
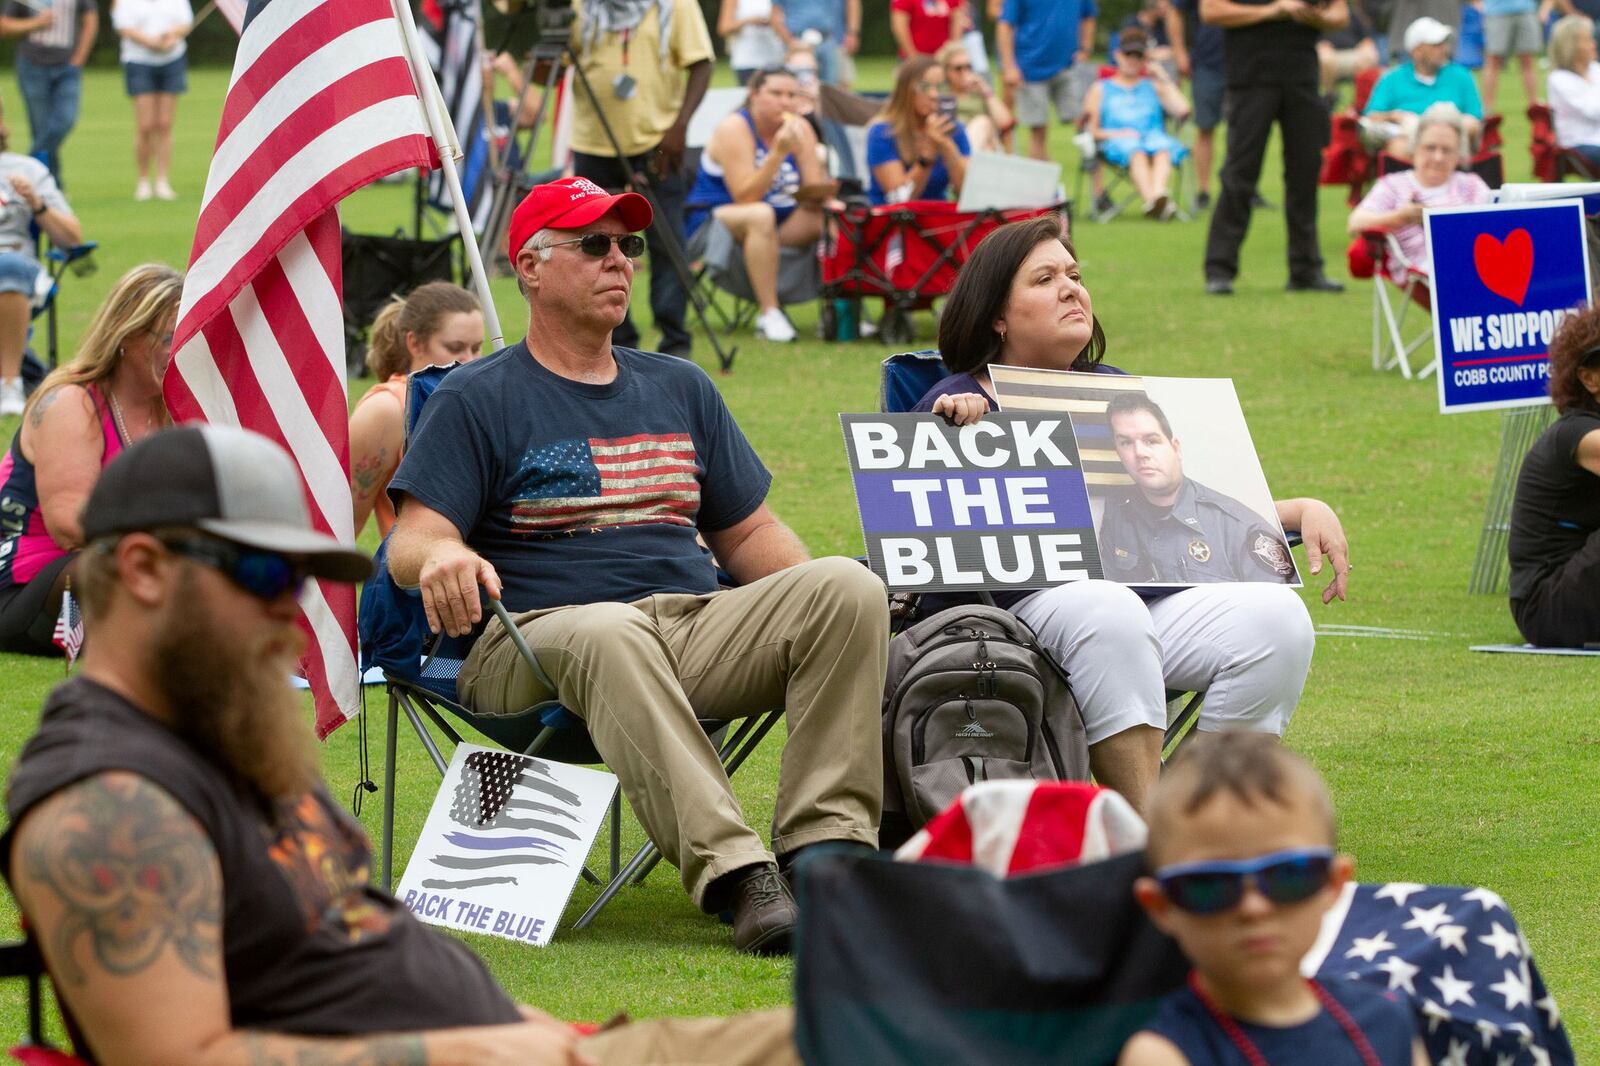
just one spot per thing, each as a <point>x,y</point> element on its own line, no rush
<point>142,78</point>
<point>19,273</point>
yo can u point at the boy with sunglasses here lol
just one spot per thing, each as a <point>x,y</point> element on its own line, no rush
<point>1242,845</point>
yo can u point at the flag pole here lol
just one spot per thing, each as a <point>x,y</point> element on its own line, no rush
<point>444,139</point>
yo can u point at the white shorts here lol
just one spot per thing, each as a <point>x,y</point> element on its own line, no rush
<point>1246,645</point>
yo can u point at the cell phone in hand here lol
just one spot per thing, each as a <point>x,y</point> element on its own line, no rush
<point>947,107</point>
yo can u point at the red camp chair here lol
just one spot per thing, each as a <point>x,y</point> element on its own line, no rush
<point>907,254</point>
<point>1370,255</point>
<point>1551,162</point>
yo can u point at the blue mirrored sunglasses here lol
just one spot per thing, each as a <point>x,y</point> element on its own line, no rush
<point>264,574</point>
<point>1213,887</point>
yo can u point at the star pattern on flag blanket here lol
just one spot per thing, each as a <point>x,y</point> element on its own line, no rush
<point>1459,956</point>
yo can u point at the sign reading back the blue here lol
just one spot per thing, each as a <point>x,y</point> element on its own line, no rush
<point>999,504</point>
<point>1504,276</point>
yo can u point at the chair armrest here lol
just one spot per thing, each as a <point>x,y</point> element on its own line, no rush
<point>73,254</point>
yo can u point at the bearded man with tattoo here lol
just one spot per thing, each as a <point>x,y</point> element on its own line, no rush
<point>198,896</point>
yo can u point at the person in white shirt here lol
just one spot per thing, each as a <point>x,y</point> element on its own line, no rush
<point>755,34</point>
<point>1574,86</point>
<point>155,72</point>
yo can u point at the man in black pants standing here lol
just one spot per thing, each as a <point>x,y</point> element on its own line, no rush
<point>1270,57</point>
<point>648,62</point>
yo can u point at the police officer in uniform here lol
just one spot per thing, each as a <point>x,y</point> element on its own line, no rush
<point>1171,528</point>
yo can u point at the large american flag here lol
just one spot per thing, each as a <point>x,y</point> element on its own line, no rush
<point>322,102</point>
<point>1458,955</point>
<point>617,481</point>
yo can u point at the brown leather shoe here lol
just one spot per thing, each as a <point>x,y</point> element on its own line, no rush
<point>764,912</point>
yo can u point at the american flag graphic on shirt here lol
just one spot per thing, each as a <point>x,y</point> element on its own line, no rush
<point>611,481</point>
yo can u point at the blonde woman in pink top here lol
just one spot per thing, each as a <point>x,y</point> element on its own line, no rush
<point>75,423</point>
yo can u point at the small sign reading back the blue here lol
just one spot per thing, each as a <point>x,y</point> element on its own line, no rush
<point>1503,278</point>
<point>995,505</point>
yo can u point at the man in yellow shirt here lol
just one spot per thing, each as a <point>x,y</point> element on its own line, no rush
<point>648,62</point>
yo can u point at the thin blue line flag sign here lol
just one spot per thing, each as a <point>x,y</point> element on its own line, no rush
<point>1503,278</point>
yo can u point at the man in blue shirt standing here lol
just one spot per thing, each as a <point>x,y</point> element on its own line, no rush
<point>837,22</point>
<point>1039,42</point>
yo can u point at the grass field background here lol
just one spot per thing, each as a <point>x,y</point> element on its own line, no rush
<point>1447,766</point>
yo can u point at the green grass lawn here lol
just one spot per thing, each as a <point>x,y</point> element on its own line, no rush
<point>1447,766</point>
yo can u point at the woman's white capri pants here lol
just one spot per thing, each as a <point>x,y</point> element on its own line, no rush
<point>1246,645</point>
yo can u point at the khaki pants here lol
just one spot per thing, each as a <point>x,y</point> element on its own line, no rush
<point>762,1038</point>
<point>812,639</point>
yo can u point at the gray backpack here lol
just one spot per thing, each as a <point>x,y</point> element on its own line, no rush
<point>971,696</point>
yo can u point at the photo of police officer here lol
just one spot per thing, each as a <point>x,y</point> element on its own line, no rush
<point>1167,528</point>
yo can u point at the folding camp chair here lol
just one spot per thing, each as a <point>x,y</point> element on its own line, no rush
<point>1551,162</point>
<point>1119,193</point>
<point>376,269</point>
<point>393,633</point>
<point>1370,255</point>
<point>906,379</point>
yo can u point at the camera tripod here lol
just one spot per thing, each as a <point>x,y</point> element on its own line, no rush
<point>552,49</point>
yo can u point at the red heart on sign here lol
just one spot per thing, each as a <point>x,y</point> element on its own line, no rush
<point>1505,269</point>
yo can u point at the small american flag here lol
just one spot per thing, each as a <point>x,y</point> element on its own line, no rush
<point>322,101</point>
<point>69,627</point>
<point>1458,955</point>
<point>618,481</point>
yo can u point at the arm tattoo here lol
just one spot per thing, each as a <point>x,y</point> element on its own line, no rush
<point>133,875</point>
<point>41,405</point>
<point>369,472</point>
<point>403,1049</point>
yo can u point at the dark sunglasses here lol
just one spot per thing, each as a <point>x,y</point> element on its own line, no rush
<point>264,574</point>
<point>961,68</point>
<point>1133,53</point>
<point>1213,887</point>
<point>599,244</point>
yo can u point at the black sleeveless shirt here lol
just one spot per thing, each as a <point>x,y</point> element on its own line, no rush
<point>309,946</point>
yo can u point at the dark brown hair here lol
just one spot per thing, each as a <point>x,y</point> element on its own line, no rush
<point>422,313</point>
<point>967,337</point>
<point>1254,768</point>
<point>1128,402</point>
<point>1575,344</point>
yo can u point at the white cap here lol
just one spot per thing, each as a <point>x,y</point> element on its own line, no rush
<point>1426,30</point>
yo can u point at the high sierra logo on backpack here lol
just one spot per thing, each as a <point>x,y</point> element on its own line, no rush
<point>970,696</point>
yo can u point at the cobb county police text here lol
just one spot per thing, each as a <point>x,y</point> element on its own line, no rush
<point>997,504</point>
<point>1512,332</point>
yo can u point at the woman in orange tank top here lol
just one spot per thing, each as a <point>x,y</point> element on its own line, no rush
<point>438,323</point>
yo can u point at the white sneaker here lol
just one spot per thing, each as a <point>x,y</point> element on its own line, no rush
<point>164,191</point>
<point>141,191</point>
<point>774,325</point>
<point>12,398</point>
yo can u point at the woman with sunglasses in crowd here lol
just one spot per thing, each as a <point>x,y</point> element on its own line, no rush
<point>915,150</point>
<point>438,324</point>
<point>1021,300</point>
<point>1554,543</point>
<point>751,175</point>
<point>76,422</point>
<point>988,121</point>
<point>1127,115</point>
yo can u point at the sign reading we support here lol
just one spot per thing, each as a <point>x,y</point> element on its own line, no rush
<point>504,843</point>
<point>999,504</point>
<point>1503,278</point>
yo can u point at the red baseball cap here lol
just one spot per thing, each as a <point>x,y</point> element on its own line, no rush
<point>568,204</point>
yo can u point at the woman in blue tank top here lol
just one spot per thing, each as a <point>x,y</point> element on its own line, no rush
<point>751,171</point>
<point>1127,117</point>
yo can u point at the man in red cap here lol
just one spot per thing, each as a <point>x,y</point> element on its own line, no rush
<point>572,477</point>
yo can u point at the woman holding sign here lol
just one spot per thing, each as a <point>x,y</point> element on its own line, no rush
<point>1555,518</point>
<point>1021,301</point>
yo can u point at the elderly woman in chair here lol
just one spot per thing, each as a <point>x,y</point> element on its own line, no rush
<point>757,176</point>
<point>1396,203</point>
<point>1021,301</point>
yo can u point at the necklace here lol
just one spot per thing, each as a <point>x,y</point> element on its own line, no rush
<point>116,417</point>
<point>1247,1047</point>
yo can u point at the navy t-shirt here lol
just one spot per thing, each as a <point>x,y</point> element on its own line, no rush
<point>580,493</point>
<point>1387,1023</point>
